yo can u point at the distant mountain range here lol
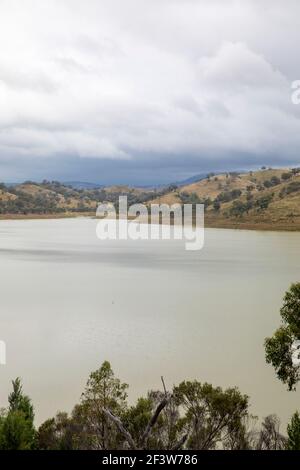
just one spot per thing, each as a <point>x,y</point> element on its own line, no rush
<point>82,185</point>
<point>88,185</point>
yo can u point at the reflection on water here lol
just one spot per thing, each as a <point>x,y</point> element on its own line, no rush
<point>70,301</point>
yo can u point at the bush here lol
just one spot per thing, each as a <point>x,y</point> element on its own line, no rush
<point>286,176</point>
<point>216,206</point>
<point>264,201</point>
<point>228,196</point>
<point>272,182</point>
<point>239,208</point>
<point>292,187</point>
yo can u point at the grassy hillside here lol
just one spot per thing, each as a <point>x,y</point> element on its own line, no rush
<point>56,199</point>
<point>266,199</point>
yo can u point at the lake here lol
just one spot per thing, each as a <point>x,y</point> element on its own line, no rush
<point>70,301</point>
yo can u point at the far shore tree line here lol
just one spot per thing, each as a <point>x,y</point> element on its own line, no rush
<point>193,415</point>
<point>53,197</point>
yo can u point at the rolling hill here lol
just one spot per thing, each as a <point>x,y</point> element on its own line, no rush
<point>266,199</point>
<point>51,198</point>
<point>263,199</point>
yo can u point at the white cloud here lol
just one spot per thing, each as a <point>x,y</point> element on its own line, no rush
<point>120,80</point>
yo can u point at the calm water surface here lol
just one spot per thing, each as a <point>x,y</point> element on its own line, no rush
<point>70,301</point>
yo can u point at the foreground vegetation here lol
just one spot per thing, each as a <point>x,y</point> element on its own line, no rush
<point>192,416</point>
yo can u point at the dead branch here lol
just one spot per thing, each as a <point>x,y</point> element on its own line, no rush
<point>180,443</point>
<point>121,428</point>
<point>163,382</point>
<point>153,420</point>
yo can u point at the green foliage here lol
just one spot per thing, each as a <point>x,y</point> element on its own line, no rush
<point>47,435</point>
<point>17,430</point>
<point>286,176</point>
<point>63,433</point>
<point>238,208</point>
<point>193,416</point>
<point>293,431</point>
<point>167,430</point>
<point>228,196</point>
<point>52,197</point>
<point>137,417</point>
<point>189,198</point>
<point>292,187</point>
<point>88,427</point>
<point>274,181</point>
<point>103,391</point>
<point>263,202</point>
<point>278,348</point>
<point>270,437</point>
<point>216,206</point>
<point>20,402</point>
<point>211,414</point>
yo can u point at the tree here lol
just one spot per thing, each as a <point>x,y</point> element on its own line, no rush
<point>280,347</point>
<point>60,433</point>
<point>275,180</point>
<point>88,426</point>
<point>103,391</point>
<point>264,201</point>
<point>211,414</point>
<point>293,431</point>
<point>216,206</point>
<point>192,416</point>
<point>153,423</point>
<point>286,176</point>
<point>269,436</point>
<point>17,430</point>
<point>20,402</point>
<point>238,208</point>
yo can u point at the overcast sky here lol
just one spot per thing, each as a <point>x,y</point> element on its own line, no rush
<point>144,91</point>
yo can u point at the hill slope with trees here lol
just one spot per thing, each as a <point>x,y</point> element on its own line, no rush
<point>263,199</point>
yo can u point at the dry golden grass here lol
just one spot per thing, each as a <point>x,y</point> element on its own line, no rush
<point>6,196</point>
<point>283,212</point>
<point>34,189</point>
<point>169,198</point>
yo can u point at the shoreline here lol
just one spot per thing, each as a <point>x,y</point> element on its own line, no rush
<point>222,224</point>
<point>68,215</point>
<point>264,227</point>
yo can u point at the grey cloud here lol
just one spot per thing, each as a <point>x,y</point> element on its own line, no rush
<point>116,85</point>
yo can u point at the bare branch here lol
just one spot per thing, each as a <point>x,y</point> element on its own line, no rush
<point>163,382</point>
<point>121,428</point>
<point>180,443</point>
<point>153,420</point>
